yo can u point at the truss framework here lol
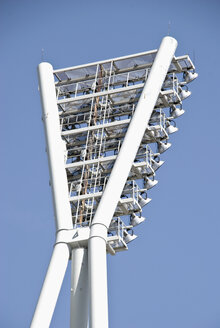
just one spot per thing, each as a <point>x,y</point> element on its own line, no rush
<point>96,103</point>
<point>89,113</point>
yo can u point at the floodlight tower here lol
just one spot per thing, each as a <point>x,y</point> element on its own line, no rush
<point>99,120</point>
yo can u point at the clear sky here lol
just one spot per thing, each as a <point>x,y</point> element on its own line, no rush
<point>170,277</point>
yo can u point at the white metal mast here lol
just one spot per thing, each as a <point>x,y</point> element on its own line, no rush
<point>99,120</point>
<point>58,179</point>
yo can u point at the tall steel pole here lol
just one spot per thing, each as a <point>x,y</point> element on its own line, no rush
<point>79,310</point>
<point>51,287</point>
<point>55,148</point>
<point>119,174</point>
<point>63,217</point>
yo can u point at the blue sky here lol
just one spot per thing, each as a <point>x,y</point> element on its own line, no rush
<point>169,278</point>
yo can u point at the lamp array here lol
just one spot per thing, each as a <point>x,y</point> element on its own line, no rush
<point>96,103</point>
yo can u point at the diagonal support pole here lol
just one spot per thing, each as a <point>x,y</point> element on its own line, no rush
<point>55,148</point>
<point>63,216</point>
<point>51,287</point>
<point>117,180</point>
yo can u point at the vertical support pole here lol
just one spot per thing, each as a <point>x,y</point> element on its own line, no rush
<point>117,179</point>
<point>79,310</point>
<point>51,287</point>
<point>98,277</point>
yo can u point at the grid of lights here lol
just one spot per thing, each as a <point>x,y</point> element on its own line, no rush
<point>96,103</point>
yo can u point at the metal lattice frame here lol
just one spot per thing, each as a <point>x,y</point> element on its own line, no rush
<point>96,104</point>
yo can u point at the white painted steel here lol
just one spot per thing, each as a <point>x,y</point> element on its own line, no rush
<point>116,182</point>
<point>51,287</point>
<point>79,289</point>
<point>175,60</point>
<point>92,161</point>
<point>135,132</point>
<point>101,93</point>
<point>105,61</point>
<point>55,149</point>
<point>98,277</point>
<point>96,127</point>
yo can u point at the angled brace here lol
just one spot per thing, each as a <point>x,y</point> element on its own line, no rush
<point>116,182</point>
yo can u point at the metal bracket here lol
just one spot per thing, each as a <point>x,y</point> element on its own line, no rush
<point>77,238</point>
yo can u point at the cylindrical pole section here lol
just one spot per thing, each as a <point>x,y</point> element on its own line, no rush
<point>98,277</point>
<point>55,147</point>
<point>119,174</point>
<point>51,287</point>
<point>79,289</point>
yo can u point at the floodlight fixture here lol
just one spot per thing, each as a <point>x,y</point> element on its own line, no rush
<point>176,112</point>
<point>162,147</point>
<point>184,93</point>
<point>171,128</point>
<point>102,123</point>
<point>190,76</point>
<point>143,201</point>
<point>136,220</point>
<point>149,183</point>
<point>129,237</point>
<point>157,163</point>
